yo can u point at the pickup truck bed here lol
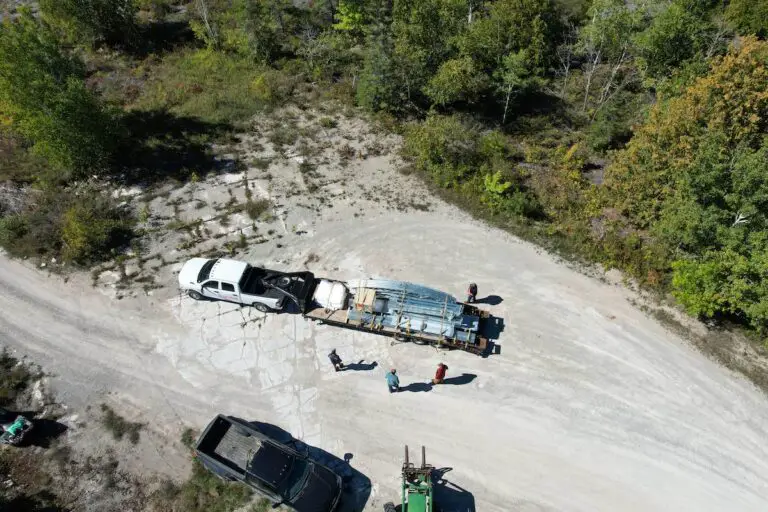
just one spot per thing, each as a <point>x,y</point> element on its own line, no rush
<point>228,446</point>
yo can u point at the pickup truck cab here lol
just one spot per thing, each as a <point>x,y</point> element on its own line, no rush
<point>239,282</point>
<point>236,451</point>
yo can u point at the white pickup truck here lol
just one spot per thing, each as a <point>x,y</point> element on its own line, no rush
<point>239,282</point>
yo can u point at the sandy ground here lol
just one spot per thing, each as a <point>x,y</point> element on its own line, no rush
<point>590,405</point>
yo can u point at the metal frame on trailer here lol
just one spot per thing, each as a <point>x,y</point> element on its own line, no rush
<point>479,348</point>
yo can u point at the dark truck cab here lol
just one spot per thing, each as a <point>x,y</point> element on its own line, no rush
<point>236,451</point>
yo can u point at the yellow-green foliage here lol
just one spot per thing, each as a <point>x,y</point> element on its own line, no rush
<point>732,100</point>
<point>84,232</point>
<point>693,181</point>
<point>212,86</point>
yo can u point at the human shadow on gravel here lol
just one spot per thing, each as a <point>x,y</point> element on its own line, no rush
<point>491,300</point>
<point>450,497</point>
<point>417,387</point>
<point>464,378</point>
<point>360,366</point>
<point>357,486</point>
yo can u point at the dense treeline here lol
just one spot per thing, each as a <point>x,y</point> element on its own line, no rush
<point>633,133</point>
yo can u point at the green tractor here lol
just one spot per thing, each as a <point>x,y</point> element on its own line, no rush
<point>417,487</point>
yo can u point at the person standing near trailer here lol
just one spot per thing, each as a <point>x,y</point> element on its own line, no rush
<point>393,382</point>
<point>472,293</point>
<point>440,374</point>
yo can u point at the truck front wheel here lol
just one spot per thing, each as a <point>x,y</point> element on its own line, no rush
<point>195,295</point>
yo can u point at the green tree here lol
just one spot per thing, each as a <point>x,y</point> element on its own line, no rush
<point>693,181</point>
<point>516,75</point>
<point>748,16</point>
<point>455,80</point>
<point>606,44</point>
<point>43,98</point>
<point>260,30</point>
<point>378,88</point>
<point>508,26</point>
<point>445,148</point>
<point>92,21</point>
<point>674,36</point>
<point>350,17</point>
<point>424,32</point>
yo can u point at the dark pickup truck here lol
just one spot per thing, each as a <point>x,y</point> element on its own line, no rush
<point>236,451</point>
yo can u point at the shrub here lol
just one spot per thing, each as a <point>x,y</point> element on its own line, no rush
<point>254,209</point>
<point>209,85</point>
<point>14,377</point>
<point>43,99</point>
<point>202,492</point>
<point>92,21</point>
<point>118,426</point>
<point>444,147</point>
<point>79,225</point>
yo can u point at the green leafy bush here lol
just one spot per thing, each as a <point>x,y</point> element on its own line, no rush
<point>43,98</point>
<point>693,181</point>
<point>92,21</point>
<point>444,147</point>
<point>78,225</point>
<point>213,86</point>
<point>202,492</point>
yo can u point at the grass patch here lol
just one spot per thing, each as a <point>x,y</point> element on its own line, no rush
<point>118,426</point>
<point>328,122</point>
<point>15,377</point>
<point>284,135</point>
<point>211,86</point>
<point>255,209</point>
<point>188,437</point>
<point>203,492</point>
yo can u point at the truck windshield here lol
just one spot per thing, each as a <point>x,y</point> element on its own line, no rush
<point>296,479</point>
<point>205,271</point>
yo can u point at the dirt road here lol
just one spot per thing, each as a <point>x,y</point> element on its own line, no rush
<point>590,405</point>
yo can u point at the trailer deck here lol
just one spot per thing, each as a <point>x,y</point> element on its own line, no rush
<point>404,311</point>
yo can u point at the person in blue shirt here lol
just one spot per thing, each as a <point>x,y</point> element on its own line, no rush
<point>393,382</point>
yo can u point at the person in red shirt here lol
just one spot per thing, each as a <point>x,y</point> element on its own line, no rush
<point>440,374</point>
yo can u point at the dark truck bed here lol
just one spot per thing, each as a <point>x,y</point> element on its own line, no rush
<point>296,286</point>
<point>224,442</point>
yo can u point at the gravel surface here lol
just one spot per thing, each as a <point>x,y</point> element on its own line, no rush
<point>589,406</point>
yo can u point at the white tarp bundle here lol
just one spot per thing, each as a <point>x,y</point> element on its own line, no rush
<point>330,295</point>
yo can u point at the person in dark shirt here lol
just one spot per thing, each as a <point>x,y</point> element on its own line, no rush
<point>472,293</point>
<point>335,360</point>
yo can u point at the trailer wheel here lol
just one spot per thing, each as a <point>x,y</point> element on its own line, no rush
<point>261,307</point>
<point>195,295</point>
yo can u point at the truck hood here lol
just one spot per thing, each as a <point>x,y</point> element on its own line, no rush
<point>189,272</point>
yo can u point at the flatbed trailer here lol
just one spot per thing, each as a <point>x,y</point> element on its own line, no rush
<point>400,310</point>
<point>340,318</point>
